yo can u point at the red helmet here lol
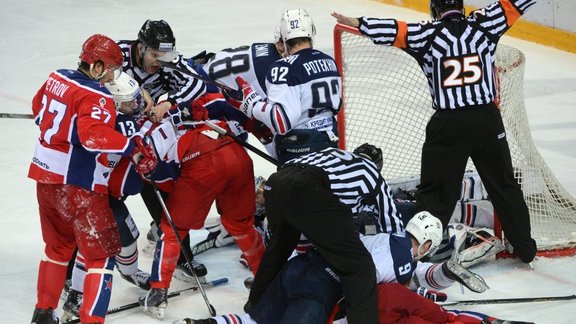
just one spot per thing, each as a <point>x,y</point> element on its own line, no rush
<point>101,48</point>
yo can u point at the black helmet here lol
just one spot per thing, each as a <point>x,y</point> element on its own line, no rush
<point>158,35</point>
<point>370,152</point>
<point>443,5</point>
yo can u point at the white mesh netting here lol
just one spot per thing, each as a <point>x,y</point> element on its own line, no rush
<point>387,103</point>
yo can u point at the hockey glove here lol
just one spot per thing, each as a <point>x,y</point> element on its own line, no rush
<point>198,111</point>
<point>249,97</point>
<point>433,295</point>
<point>259,130</point>
<point>175,115</point>
<point>143,157</point>
<point>234,97</point>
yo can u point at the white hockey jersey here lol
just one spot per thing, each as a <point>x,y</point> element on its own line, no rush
<point>304,92</point>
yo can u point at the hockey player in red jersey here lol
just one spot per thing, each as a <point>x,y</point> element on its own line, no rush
<point>213,168</point>
<point>76,117</point>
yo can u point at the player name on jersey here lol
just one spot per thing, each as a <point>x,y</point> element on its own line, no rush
<point>56,87</point>
<point>318,66</point>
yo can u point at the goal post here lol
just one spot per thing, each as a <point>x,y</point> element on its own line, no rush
<point>387,103</point>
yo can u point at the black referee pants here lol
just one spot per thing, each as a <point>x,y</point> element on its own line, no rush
<point>300,201</point>
<point>477,132</point>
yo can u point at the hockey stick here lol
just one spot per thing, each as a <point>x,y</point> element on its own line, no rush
<point>509,300</point>
<point>122,308</point>
<point>18,116</point>
<point>240,141</point>
<point>184,251</point>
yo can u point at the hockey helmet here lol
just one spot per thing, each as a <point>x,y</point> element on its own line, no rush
<point>101,48</point>
<point>259,183</point>
<point>277,34</point>
<point>157,34</point>
<point>296,23</point>
<point>440,6</point>
<point>370,152</point>
<point>425,227</point>
<point>125,89</point>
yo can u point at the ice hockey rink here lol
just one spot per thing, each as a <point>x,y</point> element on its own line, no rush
<point>38,37</point>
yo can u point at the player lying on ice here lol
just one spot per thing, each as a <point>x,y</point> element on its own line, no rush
<point>308,276</point>
<point>307,289</point>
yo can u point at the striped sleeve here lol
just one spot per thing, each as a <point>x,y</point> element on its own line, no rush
<point>397,33</point>
<point>498,17</point>
<point>383,31</point>
<point>186,88</point>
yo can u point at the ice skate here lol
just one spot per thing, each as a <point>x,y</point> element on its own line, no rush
<point>184,273</point>
<point>44,316</point>
<point>154,302</point>
<point>72,305</point>
<point>140,279</point>
<point>471,280</point>
<point>248,282</point>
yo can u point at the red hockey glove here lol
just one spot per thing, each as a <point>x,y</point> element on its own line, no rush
<point>249,97</point>
<point>234,97</point>
<point>434,296</point>
<point>198,111</point>
<point>259,130</point>
<point>143,157</point>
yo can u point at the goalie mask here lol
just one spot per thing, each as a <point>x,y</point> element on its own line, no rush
<point>295,24</point>
<point>371,153</point>
<point>437,7</point>
<point>126,93</point>
<point>424,227</point>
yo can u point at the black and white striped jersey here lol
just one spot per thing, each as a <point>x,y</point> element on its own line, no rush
<point>357,183</point>
<point>179,86</point>
<point>456,53</point>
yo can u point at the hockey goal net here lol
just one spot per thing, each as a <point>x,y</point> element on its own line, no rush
<point>387,103</point>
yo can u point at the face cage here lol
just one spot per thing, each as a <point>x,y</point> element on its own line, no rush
<point>137,111</point>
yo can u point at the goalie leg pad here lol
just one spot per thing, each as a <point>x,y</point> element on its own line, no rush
<point>482,249</point>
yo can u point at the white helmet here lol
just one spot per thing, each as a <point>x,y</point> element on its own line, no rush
<point>296,23</point>
<point>124,89</point>
<point>277,34</point>
<point>424,227</point>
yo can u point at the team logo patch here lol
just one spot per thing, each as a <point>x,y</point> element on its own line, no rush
<point>102,102</point>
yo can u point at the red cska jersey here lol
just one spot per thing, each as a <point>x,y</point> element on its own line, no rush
<point>76,116</point>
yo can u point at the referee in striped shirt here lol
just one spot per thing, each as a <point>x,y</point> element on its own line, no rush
<point>457,54</point>
<point>317,195</point>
